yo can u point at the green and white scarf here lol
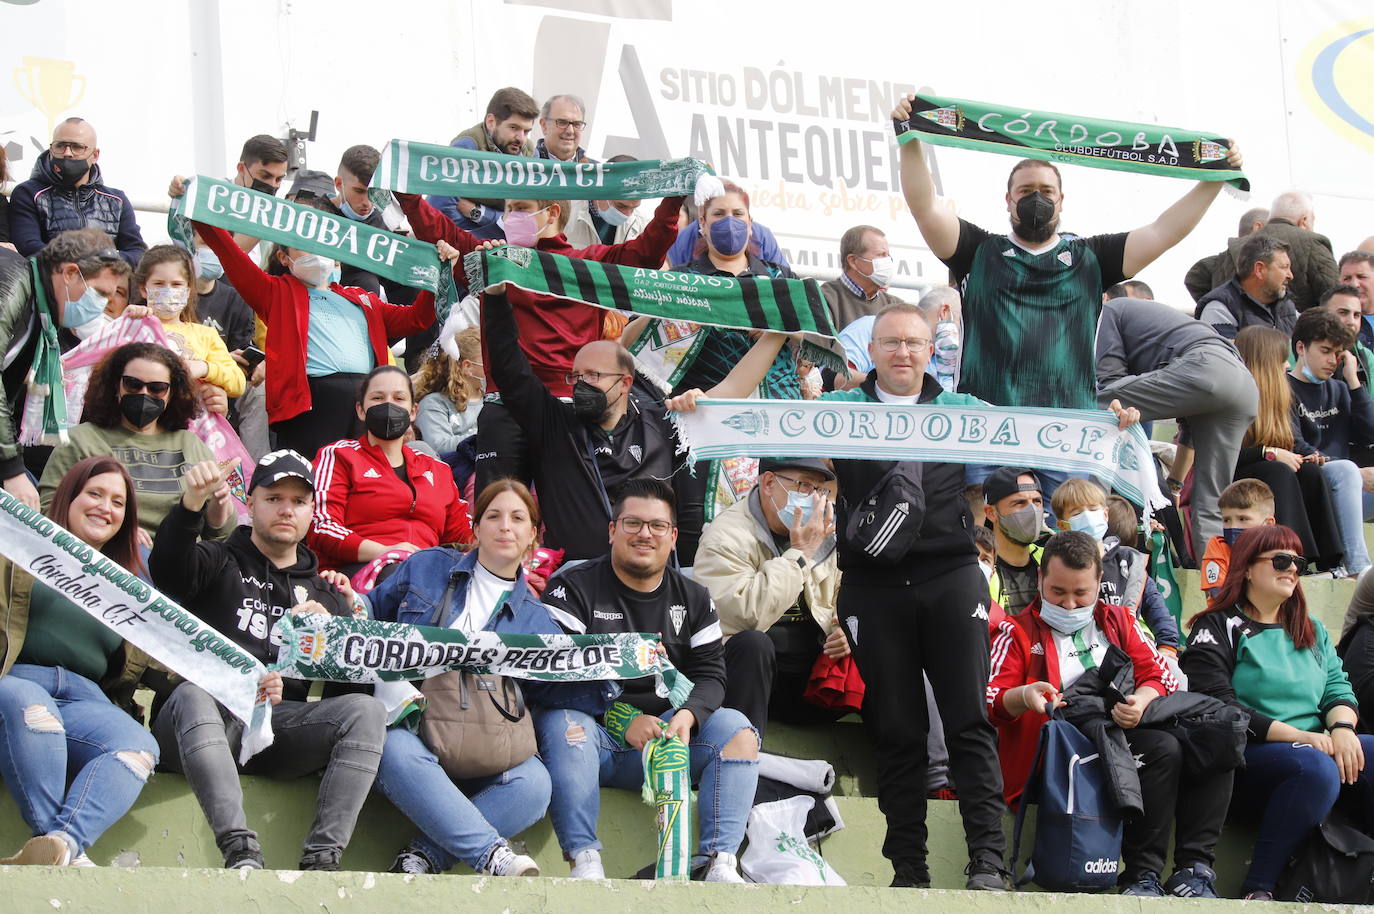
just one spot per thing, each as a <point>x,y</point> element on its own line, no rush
<point>1052,137</point>
<point>1068,440</point>
<point>746,303</point>
<point>139,614</point>
<point>423,168</point>
<point>340,649</point>
<point>45,378</point>
<point>406,261</point>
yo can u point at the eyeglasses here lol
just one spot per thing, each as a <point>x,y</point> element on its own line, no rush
<point>1283,561</point>
<point>591,377</point>
<point>79,149</point>
<point>137,385</point>
<point>561,124</point>
<point>893,343</point>
<point>634,525</point>
<point>804,487</point>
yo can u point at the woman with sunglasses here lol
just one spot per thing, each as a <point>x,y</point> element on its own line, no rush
<point>137,409</point>
<point>1255,647</point>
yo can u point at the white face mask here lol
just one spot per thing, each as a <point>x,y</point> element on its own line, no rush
<point>91,327</point>
<point>884,268</point>
<point>612,215</point>
<point>312,269</point>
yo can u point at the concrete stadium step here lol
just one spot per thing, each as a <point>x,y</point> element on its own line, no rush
<point>170,891</point>
<point>166,828</point>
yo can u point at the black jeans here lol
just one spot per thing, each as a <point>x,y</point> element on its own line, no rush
<point>332,415</point>
<point>938,627</point>
<point>759,687</point>
<point>1194,805</point>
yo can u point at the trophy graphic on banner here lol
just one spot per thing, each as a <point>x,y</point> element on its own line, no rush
<point>50,85</point>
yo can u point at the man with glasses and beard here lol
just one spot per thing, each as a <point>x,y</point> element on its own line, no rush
<point>66,192</point>
<point>634,590</point>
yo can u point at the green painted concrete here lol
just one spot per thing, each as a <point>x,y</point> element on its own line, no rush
<point>167,829</point>
<point>166,891</point>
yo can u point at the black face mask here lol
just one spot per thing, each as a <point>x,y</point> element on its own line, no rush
<point>141,409</point>
<point>386,421</point>
<point>69,171</point>
<point>589,402</point>
<point>263,187</point>
<point>1035,217</point>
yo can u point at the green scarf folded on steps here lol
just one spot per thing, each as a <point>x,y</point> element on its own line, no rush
<point>406,261</point>
<point>343,649</point>
<point>422,168</point>
<point>1052,137</point>
<point>745,303</point>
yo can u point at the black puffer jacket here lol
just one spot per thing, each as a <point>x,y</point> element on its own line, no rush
<point>41,209</point>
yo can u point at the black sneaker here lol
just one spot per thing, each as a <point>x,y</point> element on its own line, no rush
<point>1196,881</point>
<point>985,874</point>
<point>910,874</point>
<point>413,862</point>
<point>246,858</point>
<point>323,861</point>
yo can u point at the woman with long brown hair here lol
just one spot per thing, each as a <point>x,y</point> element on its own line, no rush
<point>1256,648</point>
<point>67,680</point>
<point>1302,499</point>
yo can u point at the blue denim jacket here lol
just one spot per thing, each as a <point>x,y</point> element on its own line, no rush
<point>414,595</point>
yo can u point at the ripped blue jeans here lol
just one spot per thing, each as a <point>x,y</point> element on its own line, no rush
<point>57,726</point>
<point>582,758</point>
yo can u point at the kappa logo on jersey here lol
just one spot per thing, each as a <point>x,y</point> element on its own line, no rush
<point>609,617</point>
<point>637,453</point>
<point>1066,258</point>
<point>1213,572</point>
<point>979,612</point>
<point>678,613</point>
<point>1038,648</point>
<point>559,592</point>
<point>371,473</point>
<point>1204,637</point>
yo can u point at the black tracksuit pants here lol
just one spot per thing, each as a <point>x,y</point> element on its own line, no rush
<point>939,627</point>
<point>1193,805</point>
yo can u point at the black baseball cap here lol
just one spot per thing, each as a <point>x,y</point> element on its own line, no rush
<point>814,464</point>
<point>315,183</point>
<point>279,465</point>
<point>1006,481</point>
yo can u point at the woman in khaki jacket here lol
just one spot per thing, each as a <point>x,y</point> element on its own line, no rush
<point>66,683</point>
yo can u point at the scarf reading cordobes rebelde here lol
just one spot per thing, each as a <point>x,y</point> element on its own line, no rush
<point>1068,440</point>
<point>1051,137</point>
<point>421,168</point>
<point>747,303</point>
<point>340,649</point>
<point>238,209</point>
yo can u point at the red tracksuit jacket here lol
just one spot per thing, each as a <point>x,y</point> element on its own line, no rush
<point>283,303</point>
<point>1023,652</point>
<point>358,496</point>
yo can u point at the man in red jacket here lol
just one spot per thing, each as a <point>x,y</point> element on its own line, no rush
<point>551,330</point>
<point>1065,632</point>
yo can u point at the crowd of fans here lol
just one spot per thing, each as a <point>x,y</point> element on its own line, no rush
<point>522,474</point>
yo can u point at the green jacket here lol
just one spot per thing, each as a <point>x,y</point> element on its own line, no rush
<point>16,591</point>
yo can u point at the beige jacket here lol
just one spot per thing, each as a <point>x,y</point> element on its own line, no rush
<point>751,583</point>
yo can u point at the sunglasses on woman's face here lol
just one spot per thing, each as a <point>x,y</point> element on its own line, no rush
<point>136,385</point>
<point>1285,560</point>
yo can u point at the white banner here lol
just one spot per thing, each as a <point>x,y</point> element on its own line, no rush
<point>1068,440</point>
<point>139,614</point>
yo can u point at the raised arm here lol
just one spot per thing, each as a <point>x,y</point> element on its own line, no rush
<point>938,224</point>
<point>1146,243</point>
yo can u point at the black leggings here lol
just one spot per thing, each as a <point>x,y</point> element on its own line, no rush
<point>331,415</point>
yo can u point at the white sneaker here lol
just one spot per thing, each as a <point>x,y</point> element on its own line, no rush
<point>725,868</point>
<point>586,864</point>
<point>82,860</point>
<point>506,862</point>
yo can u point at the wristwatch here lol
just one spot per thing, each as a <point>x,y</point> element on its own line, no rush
<point>475,214</point>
